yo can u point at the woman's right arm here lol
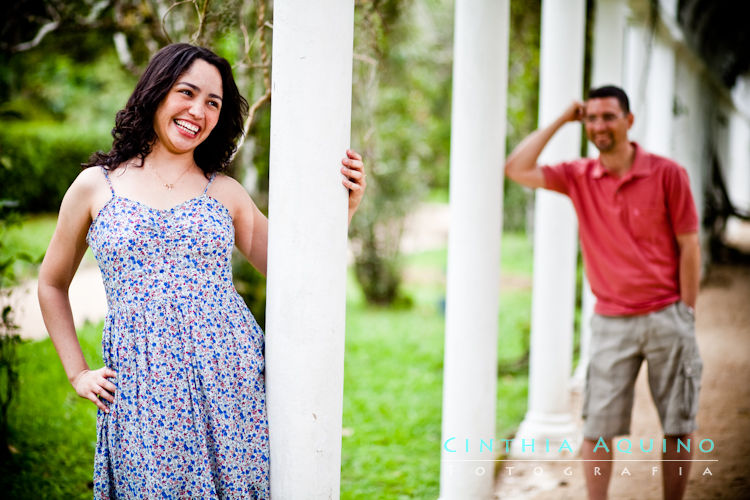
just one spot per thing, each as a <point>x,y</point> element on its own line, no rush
<point>63,256</point>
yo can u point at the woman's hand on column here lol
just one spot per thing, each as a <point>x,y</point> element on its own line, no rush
<point>354,179</point>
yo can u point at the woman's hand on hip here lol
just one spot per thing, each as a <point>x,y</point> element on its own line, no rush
<point>95,386</point>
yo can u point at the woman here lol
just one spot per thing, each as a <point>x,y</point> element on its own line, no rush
<point>181,397</point>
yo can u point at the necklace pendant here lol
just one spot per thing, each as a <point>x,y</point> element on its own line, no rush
<point>168,186</point>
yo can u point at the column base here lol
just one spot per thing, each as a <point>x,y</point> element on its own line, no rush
<point>546,436</point>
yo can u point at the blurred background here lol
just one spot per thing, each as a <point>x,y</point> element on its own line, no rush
<point>66,68</point>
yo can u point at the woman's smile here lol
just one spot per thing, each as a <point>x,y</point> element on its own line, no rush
<point>187,128</point>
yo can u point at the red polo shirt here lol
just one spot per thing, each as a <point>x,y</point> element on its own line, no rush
<point>627,226</point>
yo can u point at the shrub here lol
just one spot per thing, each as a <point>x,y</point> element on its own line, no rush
<point>39,160</point>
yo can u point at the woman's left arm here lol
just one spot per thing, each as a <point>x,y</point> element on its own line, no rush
<point>250,225</point>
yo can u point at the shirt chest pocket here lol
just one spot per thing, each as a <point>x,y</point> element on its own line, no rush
<point>647,221</point>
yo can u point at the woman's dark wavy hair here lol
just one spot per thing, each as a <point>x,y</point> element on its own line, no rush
<point>134,132</point>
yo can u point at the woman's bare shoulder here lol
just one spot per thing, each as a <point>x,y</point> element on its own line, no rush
<point>226,182</point>
<point>88,181</point>
<point>90,190</point>
<point>228,190</point>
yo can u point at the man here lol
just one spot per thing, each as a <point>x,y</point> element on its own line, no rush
<point>638,229</point>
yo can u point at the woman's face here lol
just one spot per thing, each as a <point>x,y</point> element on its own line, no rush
<point>190,110</point>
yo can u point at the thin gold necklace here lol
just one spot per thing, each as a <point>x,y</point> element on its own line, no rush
<point>168,185</point>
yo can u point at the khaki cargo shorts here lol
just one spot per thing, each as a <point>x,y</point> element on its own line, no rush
<point>619,344</point>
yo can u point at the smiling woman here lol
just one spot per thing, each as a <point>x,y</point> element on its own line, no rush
<point>190,110</point>
<point>181,397</point>
<point>170,72</point>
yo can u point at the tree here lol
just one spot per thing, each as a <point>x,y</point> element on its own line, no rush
<point>400,122</point>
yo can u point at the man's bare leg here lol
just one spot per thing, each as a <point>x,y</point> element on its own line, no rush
<point>675,475</point>
<point>599,470</point>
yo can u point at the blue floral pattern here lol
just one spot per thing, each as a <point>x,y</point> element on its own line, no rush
<point>188,418</point>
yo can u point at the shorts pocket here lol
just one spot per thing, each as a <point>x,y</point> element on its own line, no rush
<point>691,383</point>
<point>685,312</point>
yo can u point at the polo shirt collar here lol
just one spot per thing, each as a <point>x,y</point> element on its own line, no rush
<point>641,166</point>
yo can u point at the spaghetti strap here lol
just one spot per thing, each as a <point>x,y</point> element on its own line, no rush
<point>109,182</point>
<point>205,190</point>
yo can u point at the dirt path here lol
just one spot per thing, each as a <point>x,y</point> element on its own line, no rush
<point>87,300</point>
<point>723,330</point>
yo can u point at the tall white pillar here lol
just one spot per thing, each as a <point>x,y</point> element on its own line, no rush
<point>607,69</point>
<point>635,77</point>
<point>660,99</point>
<point>650,83</point>
<point>476,186</point>
<point>310,131</point>
<point>609,43</point>
<point>555,242</point>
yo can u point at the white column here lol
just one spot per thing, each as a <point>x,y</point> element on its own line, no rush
<point>310,129</point>
<point>607,69</point>
<point>609,43</point>
<point>669,8</point>
<point>637,63</point>
<point>650,84</point>
<point>476,186</point>
<point>660,97</point>
<point>555,242</point>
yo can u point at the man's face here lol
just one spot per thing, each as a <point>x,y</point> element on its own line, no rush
<point>606,123</point>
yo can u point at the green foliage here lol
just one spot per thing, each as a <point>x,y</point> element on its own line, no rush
<point>516,201</point>
<point>252,164</point>
<point>78,88</point>
<point>523,99</point>
<point>523,69</point>
<point>60,109</point>
<point>39,160</point>
<point>400,124</point>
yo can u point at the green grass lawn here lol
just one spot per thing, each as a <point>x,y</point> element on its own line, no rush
<point>392,392</point>
<point>393,377</point>
<point>52,430</point>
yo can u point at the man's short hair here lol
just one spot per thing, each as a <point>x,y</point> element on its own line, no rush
<point>611,91</point>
